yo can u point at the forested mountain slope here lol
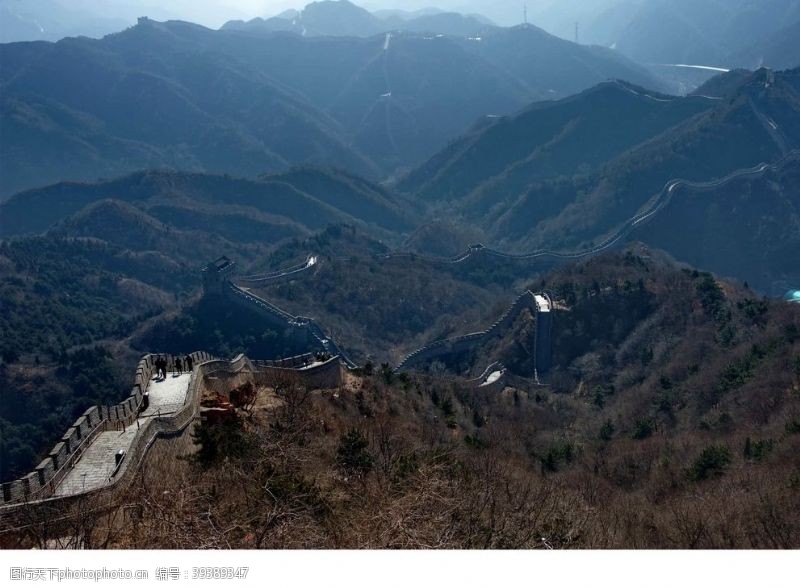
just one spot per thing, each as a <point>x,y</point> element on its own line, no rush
<point>263,210</point>
<point>748,228</point>
<point>182,96</point>
<point>568,174</point>
<point>549,139</point>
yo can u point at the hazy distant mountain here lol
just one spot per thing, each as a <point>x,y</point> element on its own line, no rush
<point>399,13</point>
<point>182,96</point>
<point>724,84</point>
<point>325,18</point>
<point>150,97</point>
<point>708,32</point>
<point>342,18</point>
<point>264,210</point>
<point>548,139</point>
<point>445,23</point>
<point>339,17</point>
<point>552,67</point>
<point>404,96</point>
<point>780,50</point>
<point>563,174</point>
<point>51,20</point>
<point>263,25</point>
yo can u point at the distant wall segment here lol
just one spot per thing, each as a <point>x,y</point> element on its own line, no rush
<point>539,304</point>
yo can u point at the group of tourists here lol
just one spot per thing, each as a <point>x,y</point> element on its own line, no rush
<point>178,366</point>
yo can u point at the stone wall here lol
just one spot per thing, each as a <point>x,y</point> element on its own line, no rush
<point>303,330</point>
<point>45,477</point>
<point>543,344</point>
<point>279,276</point>
<point>465,342</point>
<point>306,331</point>
<point>27,506</point>
<point>458,344</point>
<point>274,315</point>
<point>327,374</point>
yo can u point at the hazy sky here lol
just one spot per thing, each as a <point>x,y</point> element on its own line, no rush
<point>202,9</point>
<point>73,17</point>
<point>215,12</point>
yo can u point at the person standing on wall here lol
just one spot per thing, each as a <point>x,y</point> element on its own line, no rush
<point>178,366</point>
<point>189,363</point>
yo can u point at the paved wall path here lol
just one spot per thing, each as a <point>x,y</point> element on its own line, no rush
<point>167,396</point>
<point>97,463</point>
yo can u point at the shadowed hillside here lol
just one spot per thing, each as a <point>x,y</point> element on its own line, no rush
<point>264,210</point>
<point>567,175</point>
<point>548,139</point>
<point>749,228</point>
<point>182,96</point>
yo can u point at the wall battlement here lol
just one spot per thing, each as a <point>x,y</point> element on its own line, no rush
<point>43,480</point>
<point>36,489</point>
<point>539,304</point>
<point>306,331</point>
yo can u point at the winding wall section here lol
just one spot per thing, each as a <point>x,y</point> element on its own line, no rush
<point>479,251</point>
<point>37,496</point>
<point>539,304</point>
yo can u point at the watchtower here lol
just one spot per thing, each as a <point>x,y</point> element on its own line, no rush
<point>543,342</point>
<point>216,274</point>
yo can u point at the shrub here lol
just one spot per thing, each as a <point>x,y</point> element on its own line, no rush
<point>643,429</point>
<point>368,368</point>
<point>556,454</point>
<point>477,418</point>
<point>387,372</point>
<point>711,296</point>
<point>218,441</point>
<point>607,431</point>
<point>447,408</point>
<point>352,455</point>
<point>712,462</point>
<point>757,450</point>
<point>475,442</point>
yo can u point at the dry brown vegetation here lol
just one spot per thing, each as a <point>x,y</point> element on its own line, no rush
<point>672,420</point>
<point>445,467</point>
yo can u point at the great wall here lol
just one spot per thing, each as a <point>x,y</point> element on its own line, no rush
<point>306,331</point>
<point>88,450</point>
<point>83,467</point>
<point>539,304</point>
<point>84,464</point>
<point>218,280</point>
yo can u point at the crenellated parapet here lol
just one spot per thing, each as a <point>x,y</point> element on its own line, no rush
<point>316,370</point>
<point>539,304</point>
<point>43,480</point>
<point>306,331</point>
<point>279,276</point>
<point>33,497</point>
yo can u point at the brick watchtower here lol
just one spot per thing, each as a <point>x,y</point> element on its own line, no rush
<point>216,274</point>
